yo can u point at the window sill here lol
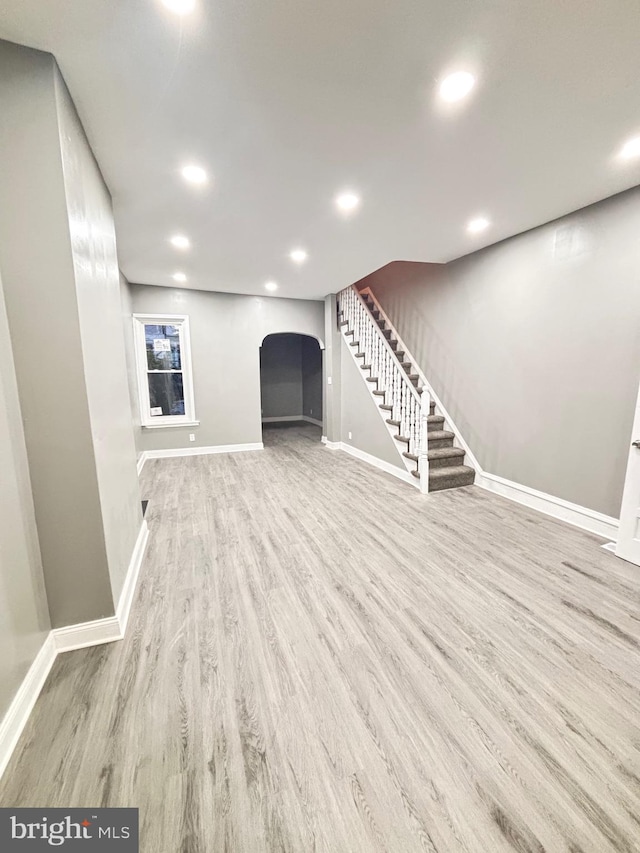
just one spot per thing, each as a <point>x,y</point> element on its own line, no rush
<point>171,426</point>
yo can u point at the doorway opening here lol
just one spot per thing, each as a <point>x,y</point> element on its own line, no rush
<point>291,389</point>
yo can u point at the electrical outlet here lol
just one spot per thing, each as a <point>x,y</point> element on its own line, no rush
<point>192,437</point>
<point>349,436</point>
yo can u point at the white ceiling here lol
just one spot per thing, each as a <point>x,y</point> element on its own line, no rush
<point>286,103</point>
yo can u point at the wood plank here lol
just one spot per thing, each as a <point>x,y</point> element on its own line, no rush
<point>320,658</point>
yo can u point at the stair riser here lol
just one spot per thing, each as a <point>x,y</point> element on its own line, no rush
<point>447,462</point>
<point>441,442</point>
<point>456,482</point>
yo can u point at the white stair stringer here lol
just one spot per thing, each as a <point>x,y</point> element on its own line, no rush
<point>407,465</point>
<point>388,382</point>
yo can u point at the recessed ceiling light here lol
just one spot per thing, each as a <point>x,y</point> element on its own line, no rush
<point>194,174</point>
<point>631,149</point>
<point>298,256</point>
<point>180,241</point>
<point>179,276</point>
<point>347,202</point>
<point>478,225</point>
<point>180,7</point>
<point>457,86</point>
<point>271,285</point>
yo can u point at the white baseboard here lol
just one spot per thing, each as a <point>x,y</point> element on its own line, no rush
<point>578,516</point>
<point>196,451</point>
<point>68,639</point>
<point>129,587</point>
<point>140,463</point>
<point>387,467</point>
<point>286,418</point>
<point>20,708</point>
<point>94,633</point>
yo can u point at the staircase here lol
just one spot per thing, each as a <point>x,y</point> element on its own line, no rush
<point>424,440</point>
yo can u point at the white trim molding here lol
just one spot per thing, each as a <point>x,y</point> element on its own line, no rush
<point>130,582</point>
<point>286,418</point>
<point>84,634</point>
<point>578,516</point>
<point>181,323</point>
<point>183,424</point>
<point>68,639</point>
<point>196,451</point>
<point>20,708</point>
<point>387,467</point>
<point>308,419</point>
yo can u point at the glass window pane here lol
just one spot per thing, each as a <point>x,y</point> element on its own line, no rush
<point>163,347</point>
<point>166,395</point>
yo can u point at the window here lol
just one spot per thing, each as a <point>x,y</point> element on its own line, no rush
<point>164,370</point>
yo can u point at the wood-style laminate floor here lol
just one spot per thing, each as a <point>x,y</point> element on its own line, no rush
<point>321,659</point>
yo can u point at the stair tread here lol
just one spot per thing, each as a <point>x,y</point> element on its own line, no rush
<point>439,434</point>
<point>435,419</point>
<point>462,475</point>
<point>402,438</point>
<point>344,322</point>
<point>372,378</point>
<point>365,367</point>
<point>386,406</point>
<point>354,344</point>
<point>445,452</point>
<point>379,393</point>
<point>393,423</point>
<point>439,453</point>
<point>450,473</point>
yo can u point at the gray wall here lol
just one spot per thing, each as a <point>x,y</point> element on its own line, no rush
<point>361,416</point>
<point>312,381</point>
<point>126,304</point>
<point>52,258</point>
<point>24,618</point>
<point>281,376</point>
<point>97,277</point>
<point>534,347</point>
<point>227,331</point>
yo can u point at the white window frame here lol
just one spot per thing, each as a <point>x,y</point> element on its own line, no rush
<point>181,321</point>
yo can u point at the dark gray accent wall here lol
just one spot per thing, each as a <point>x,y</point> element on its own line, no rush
<point>227,331</point>
<point>311,361</point>
<point>281,376</point>
<point>533,346</point>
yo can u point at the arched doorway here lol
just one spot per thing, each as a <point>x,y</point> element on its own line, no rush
<point>291,388</point>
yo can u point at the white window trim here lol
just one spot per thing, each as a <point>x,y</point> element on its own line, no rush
<point>182,321</point>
